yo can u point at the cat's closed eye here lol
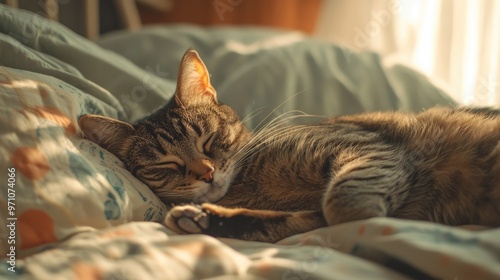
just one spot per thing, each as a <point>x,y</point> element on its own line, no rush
<point>207,143</point>
<point>171,162</point>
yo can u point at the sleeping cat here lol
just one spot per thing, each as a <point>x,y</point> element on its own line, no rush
<point>442,165</point>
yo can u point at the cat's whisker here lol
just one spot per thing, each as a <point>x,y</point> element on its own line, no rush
<point>254,141</point>
<point>252,115</point>
<point>272,138</point>
<point>256,150</point>
<point>269,135</point>
<point>277,107</point>
<point>281,119</point>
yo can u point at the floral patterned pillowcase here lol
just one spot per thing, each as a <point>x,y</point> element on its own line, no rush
<point>62,183</point>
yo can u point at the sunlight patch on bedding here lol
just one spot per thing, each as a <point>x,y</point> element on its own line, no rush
<point>274,42</point>
<point>31,162</point>
<point>23,84</point>
<point>264,254</point>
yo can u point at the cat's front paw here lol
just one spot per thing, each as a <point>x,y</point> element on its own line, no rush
<point>187,219</point>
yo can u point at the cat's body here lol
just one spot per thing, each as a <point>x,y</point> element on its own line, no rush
<point>414,157</point>
<point>442,165</point>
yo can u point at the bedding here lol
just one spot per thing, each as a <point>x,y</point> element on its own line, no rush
<point>255,69</point>
<point>71,211</point>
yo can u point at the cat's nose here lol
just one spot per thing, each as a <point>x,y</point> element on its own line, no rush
<point>204,170</point>
<point>208,176</point>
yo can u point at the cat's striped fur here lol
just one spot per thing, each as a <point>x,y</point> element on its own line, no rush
<point>442,165</point>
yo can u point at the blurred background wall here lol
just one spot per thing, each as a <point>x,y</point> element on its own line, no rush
<point>111,15</point>
<point>454,42</point>
<point>290,14</point>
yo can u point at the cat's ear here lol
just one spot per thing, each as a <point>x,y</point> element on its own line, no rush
<point>193,82</point>
<point>106,132</point>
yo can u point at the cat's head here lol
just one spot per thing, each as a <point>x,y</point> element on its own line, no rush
<point>184,151</point>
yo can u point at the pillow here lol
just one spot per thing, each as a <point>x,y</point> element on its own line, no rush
<point>258,70</point>
<point>33,43</point>
<point>61,184</point>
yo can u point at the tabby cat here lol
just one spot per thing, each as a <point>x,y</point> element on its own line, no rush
<point>441,165</point>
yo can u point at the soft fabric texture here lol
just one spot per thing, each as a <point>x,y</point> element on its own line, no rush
<point>64,183</point>
<point>379,248</point>
<point>81,215</point>
<point>36,44</point>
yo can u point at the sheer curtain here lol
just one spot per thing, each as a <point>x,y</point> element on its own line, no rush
<point>454,42</point>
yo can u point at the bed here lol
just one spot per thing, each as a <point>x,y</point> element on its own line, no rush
<point>70,210</point>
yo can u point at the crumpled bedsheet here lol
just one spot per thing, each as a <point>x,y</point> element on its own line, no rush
<point>379,248</point>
